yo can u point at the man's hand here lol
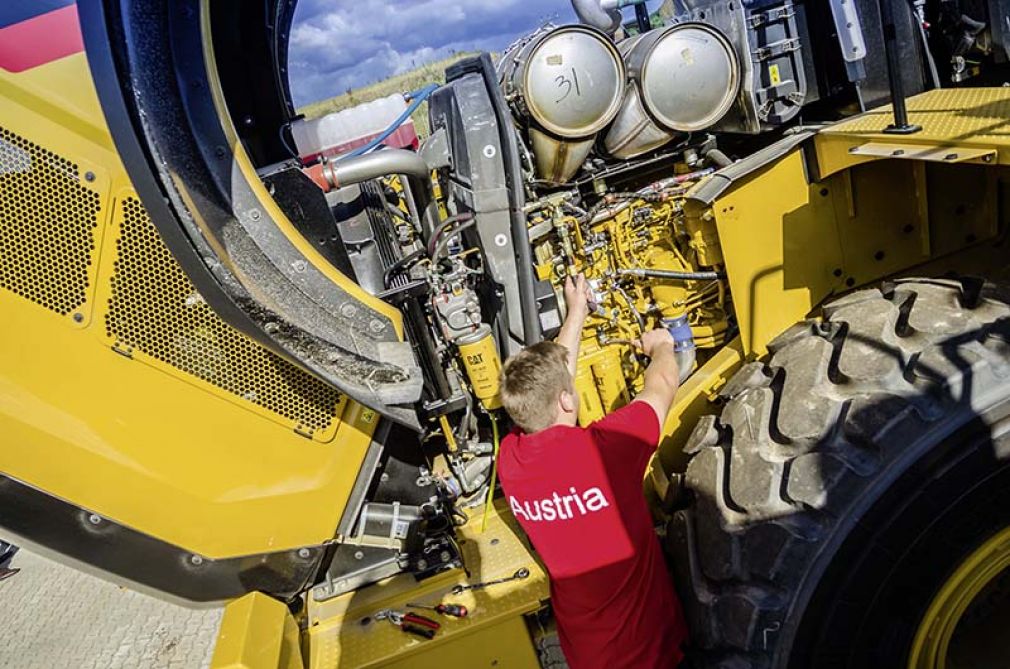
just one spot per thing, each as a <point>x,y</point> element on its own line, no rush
<point>654,340</point>
<point>578,297</point>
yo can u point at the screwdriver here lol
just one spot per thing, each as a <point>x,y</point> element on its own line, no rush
<point>454,610</point>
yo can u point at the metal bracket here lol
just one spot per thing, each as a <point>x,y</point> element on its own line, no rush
<point>930,153</point>
<point>777,49</point>
<point>759,19</point>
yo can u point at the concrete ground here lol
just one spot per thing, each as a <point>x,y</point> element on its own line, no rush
<point>53,616</point>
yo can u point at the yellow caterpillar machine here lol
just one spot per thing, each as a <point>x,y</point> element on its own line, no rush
<point>228,376</point>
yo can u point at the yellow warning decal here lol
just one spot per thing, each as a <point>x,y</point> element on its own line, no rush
<point>773,75</point>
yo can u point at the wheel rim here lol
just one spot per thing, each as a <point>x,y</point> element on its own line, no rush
<point>931,648</point>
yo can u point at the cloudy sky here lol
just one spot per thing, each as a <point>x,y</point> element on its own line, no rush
<point>341,44</point>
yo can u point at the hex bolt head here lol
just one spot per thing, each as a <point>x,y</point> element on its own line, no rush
<point>95,519</point>
<point>89,176</point>
<point>78,317</point>
<point>359,555</point>
<point>196,560</point>
<point>304,553</point>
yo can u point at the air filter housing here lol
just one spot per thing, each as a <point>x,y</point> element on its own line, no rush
<point>684,78</point>
<point>565,85</point>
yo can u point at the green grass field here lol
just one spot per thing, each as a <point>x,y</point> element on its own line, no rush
<point>400,83</point>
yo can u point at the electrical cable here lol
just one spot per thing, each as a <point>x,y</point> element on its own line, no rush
<point>494,472</point>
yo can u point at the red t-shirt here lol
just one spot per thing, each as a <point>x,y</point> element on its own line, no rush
<point>577,492</point>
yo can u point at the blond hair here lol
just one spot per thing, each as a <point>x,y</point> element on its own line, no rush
<point>531,382</point>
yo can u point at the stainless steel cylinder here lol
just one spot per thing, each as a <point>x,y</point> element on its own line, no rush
<point>566,85</point>
<point>683,78</point>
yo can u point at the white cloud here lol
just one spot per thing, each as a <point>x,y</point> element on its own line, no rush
<point>341,45</point>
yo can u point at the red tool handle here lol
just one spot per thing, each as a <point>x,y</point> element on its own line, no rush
<point>420,621</point>
<point>455,610</point>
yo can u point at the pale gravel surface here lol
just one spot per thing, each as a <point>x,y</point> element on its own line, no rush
<point>54,616</point>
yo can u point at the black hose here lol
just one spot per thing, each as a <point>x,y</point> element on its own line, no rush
<point>444,241</point>
<point>443,226</point>
<point>669,274</point>
<point>399,265</point>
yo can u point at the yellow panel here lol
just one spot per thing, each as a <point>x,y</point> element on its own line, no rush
<point>781,252</point>
<point>507,644</point>
<point>156,315</point>
<point>257,632</point>
<point>342,633</point>
<point>192,440</point>
<point>954,117</point>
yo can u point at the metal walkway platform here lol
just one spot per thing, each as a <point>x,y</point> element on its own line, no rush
<point>55,616</point>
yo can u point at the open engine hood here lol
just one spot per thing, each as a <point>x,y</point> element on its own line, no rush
<point>167,73</point>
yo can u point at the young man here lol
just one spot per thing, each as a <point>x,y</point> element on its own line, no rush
<point>577,492</point>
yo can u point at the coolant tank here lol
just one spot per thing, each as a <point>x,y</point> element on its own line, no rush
<point>684,78</point>
<point>343,131</point>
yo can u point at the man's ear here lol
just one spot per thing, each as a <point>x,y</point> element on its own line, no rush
<point>567,401</point>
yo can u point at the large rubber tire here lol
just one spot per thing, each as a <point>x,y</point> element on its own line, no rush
<point>846,477</point>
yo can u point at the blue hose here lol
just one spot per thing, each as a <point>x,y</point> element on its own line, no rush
<point>417,97</point>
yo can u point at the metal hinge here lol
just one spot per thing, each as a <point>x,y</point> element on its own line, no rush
<point>771,16</point>
<point>777,49</point>
<point>124,350</point>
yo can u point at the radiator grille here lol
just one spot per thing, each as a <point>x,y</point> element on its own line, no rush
<point>47,225</point>
<point>155,309</point>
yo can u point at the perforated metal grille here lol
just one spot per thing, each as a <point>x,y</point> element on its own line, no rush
<point>47,225</point>
<point>155,309</point>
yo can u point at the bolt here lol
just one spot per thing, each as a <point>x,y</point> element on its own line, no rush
<point>94,519</point>
<point>304,553</point>
<point>987,158</point>
<point>89,176</point>
<point>220,152</point>
<point>359,555</point>
<point>495,541</point>
<point>254,214</point>
<point>422,564</point>
<point>950,156</point>
<point>384,477</point>
<point>898,152</point>
<point>78,317</point>
<point>375,325</point>
<point>444,556</point>
<point>196,560</point>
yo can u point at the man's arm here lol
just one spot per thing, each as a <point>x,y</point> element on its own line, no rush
<point>662,378</point>
<point>577,296</point>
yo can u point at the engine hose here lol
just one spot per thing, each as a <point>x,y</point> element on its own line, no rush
<point>669,274</point>
<point>442,227</point>
<point>718,157</point>
<point>684,350</point>
<point>444,241</point>
<point>399,265</point>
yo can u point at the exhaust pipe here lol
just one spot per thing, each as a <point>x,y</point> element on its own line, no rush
<point>592,13</point>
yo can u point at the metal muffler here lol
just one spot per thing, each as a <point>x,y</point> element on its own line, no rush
<point>565,84</point>
<point>684,78</point>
